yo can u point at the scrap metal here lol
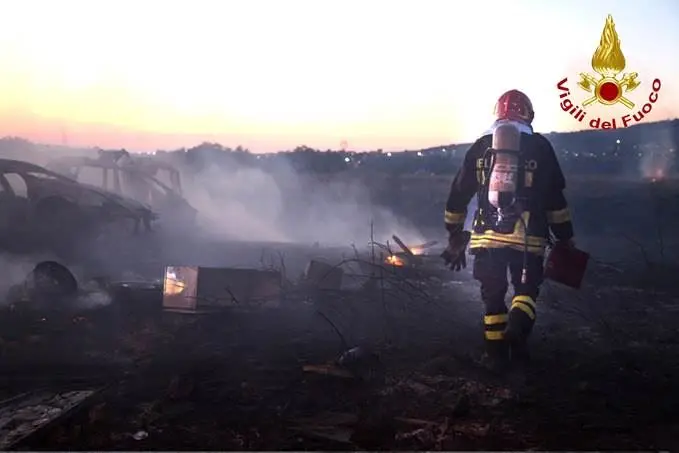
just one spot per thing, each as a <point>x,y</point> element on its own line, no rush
<point>134,177</point>
<point>36,203</point>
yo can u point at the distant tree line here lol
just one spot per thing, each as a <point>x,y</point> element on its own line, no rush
<point>621,151</point>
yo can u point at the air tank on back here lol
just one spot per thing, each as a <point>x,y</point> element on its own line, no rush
<point>504,168</point>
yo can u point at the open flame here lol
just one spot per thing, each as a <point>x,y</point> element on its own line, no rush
<point>394,260</point>
<point>608,59</point>
<point>173,286</point>
<point>399,259</point>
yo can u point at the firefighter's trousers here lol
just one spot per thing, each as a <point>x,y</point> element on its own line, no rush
<point>490,269</point>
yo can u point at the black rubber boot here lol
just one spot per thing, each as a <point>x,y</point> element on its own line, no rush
<point>519,354</point>
<point>496,356</point>
<point>517,339</point>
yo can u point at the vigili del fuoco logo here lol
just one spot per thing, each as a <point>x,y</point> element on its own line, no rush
<point>607,87</point>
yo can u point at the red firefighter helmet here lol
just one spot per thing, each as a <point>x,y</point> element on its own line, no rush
<point>514,105</point>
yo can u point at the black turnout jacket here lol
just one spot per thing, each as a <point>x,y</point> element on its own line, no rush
<point>543,184</point>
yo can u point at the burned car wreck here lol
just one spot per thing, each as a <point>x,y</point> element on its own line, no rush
<point>133,177</point>
<point>39,207</point>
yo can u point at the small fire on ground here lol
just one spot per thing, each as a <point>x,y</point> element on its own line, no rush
<point>398,260</point>
<point>394,260</point>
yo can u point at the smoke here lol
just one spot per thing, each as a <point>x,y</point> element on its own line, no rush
<point>655,152</point>
<point>15,269</point>
<point>38,154</point>
<point>92,296</point>
<point>279,204</point>
<point>655,165</point>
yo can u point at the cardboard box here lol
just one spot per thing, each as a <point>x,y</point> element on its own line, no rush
<point>195,288</point>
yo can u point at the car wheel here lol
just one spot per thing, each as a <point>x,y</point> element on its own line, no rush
<point>50,278</point>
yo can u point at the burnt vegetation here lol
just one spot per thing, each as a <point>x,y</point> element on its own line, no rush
<point>341,341</point>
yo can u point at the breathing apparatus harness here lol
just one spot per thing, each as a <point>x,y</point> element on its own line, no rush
<point>503,181</point>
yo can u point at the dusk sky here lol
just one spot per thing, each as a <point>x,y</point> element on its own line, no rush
<point>273,74</point>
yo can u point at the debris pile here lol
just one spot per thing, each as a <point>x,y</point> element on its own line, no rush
<point>25,415</point>
<point>413,256</point>
<point>394,365</point>
<point>197,289</point>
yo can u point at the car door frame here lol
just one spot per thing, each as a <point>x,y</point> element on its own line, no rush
<point>27,206</point>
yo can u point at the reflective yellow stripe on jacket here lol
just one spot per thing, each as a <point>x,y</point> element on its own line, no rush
<point>559,216</point>
<point>454,218</point>
<point>490,239</point>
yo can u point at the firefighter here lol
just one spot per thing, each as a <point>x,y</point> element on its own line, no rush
<point>516,243</point>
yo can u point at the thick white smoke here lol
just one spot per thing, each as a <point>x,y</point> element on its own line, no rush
<point>281,205</point>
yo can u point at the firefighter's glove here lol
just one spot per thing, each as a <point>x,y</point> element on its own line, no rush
<point>455,256</point>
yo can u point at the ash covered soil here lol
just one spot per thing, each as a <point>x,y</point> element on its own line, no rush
<point>603,375</point>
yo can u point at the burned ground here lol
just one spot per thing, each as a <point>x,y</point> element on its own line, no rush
<point>602,377</point>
